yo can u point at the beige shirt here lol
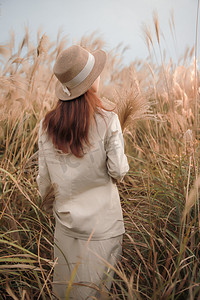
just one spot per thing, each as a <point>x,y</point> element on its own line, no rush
<point>87,200</point>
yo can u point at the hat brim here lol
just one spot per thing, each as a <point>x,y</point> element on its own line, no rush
<point>100,60</point>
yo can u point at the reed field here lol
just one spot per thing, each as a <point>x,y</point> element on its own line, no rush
<point>158,103</point>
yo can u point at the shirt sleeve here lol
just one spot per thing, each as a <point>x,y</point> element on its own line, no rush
<point>43,178</point>
<point>117,163</point>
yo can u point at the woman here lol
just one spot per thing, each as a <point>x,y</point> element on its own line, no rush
<point>81,151</point>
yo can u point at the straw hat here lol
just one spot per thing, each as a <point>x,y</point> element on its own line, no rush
<point>76,70</point>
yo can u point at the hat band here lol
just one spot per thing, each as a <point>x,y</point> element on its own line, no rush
<point>78,79</point>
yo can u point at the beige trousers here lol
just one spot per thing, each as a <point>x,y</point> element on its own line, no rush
<point>83,264</point>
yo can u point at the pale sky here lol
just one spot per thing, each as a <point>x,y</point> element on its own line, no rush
<point>116,21</point>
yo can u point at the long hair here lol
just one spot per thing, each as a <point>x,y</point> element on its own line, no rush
<point>68,123</point>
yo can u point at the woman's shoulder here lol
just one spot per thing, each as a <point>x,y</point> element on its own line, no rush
<point>106,121</point>
<point>41,130</point>
<point>43,136</point>
<point>107,115</point>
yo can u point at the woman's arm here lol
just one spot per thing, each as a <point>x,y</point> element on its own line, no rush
<point>43,178</point>
<point>117,163</point>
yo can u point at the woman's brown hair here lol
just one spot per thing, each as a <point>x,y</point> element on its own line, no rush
<point>68,123</point>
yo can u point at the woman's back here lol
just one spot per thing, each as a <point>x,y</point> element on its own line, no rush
<point>87,200</point>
